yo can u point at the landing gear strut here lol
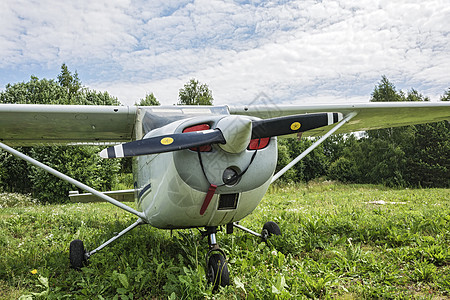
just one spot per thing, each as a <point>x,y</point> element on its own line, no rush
<point>216,266</point>
<point>79,256</point>
<point>269,228</point>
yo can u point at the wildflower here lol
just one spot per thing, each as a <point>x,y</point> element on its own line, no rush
<point>33,271</point>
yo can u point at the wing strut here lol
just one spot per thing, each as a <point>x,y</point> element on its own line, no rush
<point>313,146</point>
<point>71,180</point>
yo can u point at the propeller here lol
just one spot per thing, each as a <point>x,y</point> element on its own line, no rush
<point>165,143</point>
<point>232,134</point>
<point>292,124</point>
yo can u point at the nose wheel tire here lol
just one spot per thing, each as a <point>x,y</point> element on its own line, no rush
<point>218,273</point>
<point>270,228</point>
<point>77,254</point>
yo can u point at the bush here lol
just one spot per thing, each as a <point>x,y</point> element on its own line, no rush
<point>344,170</point>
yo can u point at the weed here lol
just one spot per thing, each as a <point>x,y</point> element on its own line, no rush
<point>423,272</point>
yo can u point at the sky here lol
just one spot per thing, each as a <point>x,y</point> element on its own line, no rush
<point>289,52</point>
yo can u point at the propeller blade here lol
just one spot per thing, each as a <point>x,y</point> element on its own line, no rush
<point>292,124</point>
<point>165,143</point>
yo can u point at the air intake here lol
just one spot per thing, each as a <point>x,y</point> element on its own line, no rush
<point>228,201</point>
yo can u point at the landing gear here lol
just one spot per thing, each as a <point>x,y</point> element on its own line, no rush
<point>77,254</point>
<point>217,269</point>
<point>218,273</point>
<point>270,228</point>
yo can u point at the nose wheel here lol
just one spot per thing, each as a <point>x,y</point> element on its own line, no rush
<point>217,272</point>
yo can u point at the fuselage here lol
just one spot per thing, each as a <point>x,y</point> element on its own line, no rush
<point>171,187</point>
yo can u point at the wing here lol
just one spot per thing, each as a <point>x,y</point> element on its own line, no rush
<point>373,115</point>
<point>34,124</point>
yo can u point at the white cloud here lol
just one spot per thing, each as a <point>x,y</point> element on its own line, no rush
<point>291,51</point>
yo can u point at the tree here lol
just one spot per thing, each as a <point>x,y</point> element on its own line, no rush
<point>18,176</point>
<point>446,96</point>
<point>416,155</point>
<point>428,163</point>
<point>283,159</point>
<point>80,162</point>
<point>335,145</point>
<point>195,93</point>
<point>149,100</point>
<point>35,91</point>
<point>414,95</point>
<point>428,156</point>
<point>344,169</point>
<point>385,92</point>
<point>344,153</point>
<point>386,149</point>
<point>311,166</point>
<point>71,82</point>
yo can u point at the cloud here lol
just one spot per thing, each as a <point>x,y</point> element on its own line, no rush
<point>290,50</point>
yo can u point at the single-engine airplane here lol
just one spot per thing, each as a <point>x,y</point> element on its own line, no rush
<point>195,166</point>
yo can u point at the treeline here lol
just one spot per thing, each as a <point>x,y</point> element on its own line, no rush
<point>409,156</point>
<point>79,162</point>
<point>412,156</point>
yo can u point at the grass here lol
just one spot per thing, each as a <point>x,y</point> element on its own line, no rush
<point>334,245</point>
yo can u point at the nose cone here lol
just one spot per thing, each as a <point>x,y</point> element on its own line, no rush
<point>237,132</point>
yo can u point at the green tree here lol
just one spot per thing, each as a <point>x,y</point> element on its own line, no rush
<point>149,100</point>
<point>283,159</point>
<point>428,156</point>
<point>385,92</point>
<point>428,161</point>
<point>402,156</point>
<point>69,81</point>
<point>194,93</point>
<point>344,169</point>
<point>446,96</point>
<point>335,145</point>
<point>35,91</point>
<point>81,163</point>
<point>18,176</point>
<point>385,160</point>
<point>14,172</point>
<point>311,166</point>
<point>344,152</point>
<point>414,95</point>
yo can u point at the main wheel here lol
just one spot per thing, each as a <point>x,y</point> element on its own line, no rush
<point>77,254</point>
<point>218,271</point>
<point>270,228</point>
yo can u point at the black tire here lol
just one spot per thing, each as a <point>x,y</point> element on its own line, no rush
<point>218,273</point>
<point>77,254</point>
<point>270,228</point>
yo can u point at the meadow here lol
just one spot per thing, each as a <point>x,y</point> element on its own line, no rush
<point>335,245</point>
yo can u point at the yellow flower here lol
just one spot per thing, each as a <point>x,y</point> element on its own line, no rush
<point>34,271</point>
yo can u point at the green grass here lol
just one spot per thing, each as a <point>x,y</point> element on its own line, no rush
<point>333,246</point>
